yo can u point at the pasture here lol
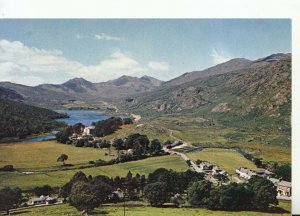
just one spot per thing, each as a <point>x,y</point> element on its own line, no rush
<point>226,159</point>
<point>142,210</point>
<point>43,155</point>
<point>58,178</point>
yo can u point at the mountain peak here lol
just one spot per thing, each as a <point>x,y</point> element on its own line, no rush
<point>77,80</point>
<point>273,57</point>
<point>79,85</point>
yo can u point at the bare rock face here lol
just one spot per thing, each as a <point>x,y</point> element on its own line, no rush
<point>222,107</point>
<point>279,98</point>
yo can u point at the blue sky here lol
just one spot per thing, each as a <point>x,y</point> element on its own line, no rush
<point>52,51</point>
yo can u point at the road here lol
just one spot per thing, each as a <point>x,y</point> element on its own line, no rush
<point>193,164</point>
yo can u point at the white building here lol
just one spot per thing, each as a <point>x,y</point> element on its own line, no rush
<point>284,188</point>
<point>245,173</point>
<point>89,130</point>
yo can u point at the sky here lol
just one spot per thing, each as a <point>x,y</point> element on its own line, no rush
<point>36,51</point>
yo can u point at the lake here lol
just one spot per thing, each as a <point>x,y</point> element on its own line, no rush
<point>86,117</point>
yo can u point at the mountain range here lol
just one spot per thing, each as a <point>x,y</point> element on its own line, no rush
<point>131,92</point>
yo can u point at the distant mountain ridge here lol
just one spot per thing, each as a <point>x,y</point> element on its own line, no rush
<point>231,65</point>
<point>79,92</point>
<point>82,91</point>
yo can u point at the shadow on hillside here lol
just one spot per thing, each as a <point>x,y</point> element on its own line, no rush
<point>20,212</point>
<point>99,212</point>
<point>273,209</point>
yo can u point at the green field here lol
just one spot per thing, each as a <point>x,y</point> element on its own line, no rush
<point>227,159</point>
<point>38,155</point>
<point>59,178</point>
<point>115,210</point>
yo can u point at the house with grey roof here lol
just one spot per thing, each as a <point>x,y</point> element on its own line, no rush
<point>284,188</point>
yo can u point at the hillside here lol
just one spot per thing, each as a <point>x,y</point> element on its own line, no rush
<point>19,119</point>
<point>234,64</point>
<point>79,92</point>
<point>231,65</point>
<point>258,97</point>
<point>10,94</point>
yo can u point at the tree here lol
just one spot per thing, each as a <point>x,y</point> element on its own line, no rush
<point>177,200</point>
<point>136,138</point>
<point>44,190</point>
<point>101,188</point>
<point>156,193</point>
<point>62,158</point>
<point>65,190</point>
<point>63,136</point>
<point>83,198</point>
<point>127,121</point>
<point>155,146</point>
<point>221,178</point>
<point>8,168</point>
<point>119,145</point>
<point>264,192</point>
<point>10,198</point>
<point>283,171</point>
<point>232,197</point>
<point>198,192</point>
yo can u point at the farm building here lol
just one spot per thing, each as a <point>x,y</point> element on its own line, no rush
<point>284,188</point>
<point>89,130</point>
<point>46,200</point>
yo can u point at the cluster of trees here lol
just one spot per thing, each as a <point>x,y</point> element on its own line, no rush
<point>257,194</point>
<point>140,144</point>
<point>283,171</point>
<point>7,168</point>
<point>21,120</point>
<point>43,190</point>
<point>109,126</point>
<point>86,193</point>
<point>10,198</point>
<point>163,185</point>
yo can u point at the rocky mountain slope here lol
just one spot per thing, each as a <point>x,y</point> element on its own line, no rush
<point>258,94</point>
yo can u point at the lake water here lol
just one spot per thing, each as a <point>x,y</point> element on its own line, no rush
<point>86,117</point>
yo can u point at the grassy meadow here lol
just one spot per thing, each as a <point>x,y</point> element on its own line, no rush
<point>58,178</point>
<point>226,159</point>
<point>39,155</point>
<point>118,210</point>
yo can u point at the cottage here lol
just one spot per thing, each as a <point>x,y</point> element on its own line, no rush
<point>117,195</point>
<point>89,130</point>
<point>284,188</point>
<point>206,166</point>
<point>263,173</point>
<point>38,201</point>
<point>245,173</point>
<point>43,200</point>
<point>51,200</point>
<point>217,170</point>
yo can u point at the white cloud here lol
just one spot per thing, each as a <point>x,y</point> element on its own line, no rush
<point>32,66</point>
<point>103,36</point>
<point>159,65</point>
<point>220,56</point>
<point>79,36</point>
